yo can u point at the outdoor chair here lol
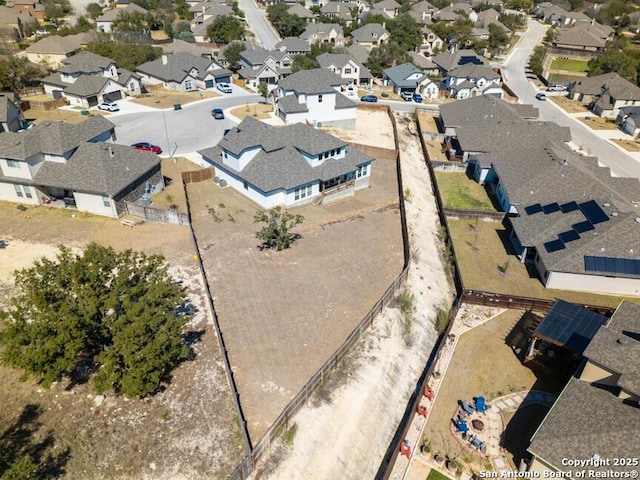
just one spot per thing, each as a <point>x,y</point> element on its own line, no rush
<point>466,408</point>
<point>461,425</point>
<point>480,405</point>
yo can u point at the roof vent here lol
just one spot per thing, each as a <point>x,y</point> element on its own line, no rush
<point>614,214</point>
<point>607,205</point>
<point>621,341</point>
<point>637,219</point>
<point>602,249</point>
<point>631,251</point>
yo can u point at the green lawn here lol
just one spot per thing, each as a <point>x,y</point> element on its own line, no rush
<point>570,65</point>
<point>436,475</point>
<point>459,191</point>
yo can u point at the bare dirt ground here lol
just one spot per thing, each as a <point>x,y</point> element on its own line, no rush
<point>167,98</point>
<point>283,314</point>
<point>346,437</point>
<point>189,431</point>
<point>373,127</point>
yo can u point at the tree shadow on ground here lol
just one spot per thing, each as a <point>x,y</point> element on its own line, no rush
<point>23,439</point>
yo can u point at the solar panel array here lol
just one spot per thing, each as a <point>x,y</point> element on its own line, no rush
<point>570,325</point>
<point>592,212</point>
<point>621,266</point>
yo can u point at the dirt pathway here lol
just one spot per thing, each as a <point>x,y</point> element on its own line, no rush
<point>346,436</point>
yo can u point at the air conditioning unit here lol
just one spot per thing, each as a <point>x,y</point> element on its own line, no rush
<point>222,183</point>
<point>216,179</point>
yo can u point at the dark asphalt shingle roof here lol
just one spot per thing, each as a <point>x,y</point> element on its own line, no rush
<point>111,15</point>
<point>617,86</point>
<point>290,104</point>
<point>341,60</point>
<point>178,66</point>
<point>52,137</point>
<point>448,61</point>
<point>310,82</point>
<point>398,75</point>
<point>371,32</point>
<point>293,44</point>
<point>86,85</point>
<point>279,163</point>
<point>85,62</point>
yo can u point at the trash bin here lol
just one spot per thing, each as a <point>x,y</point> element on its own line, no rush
<point>177,106</point>
<point>84,113</point>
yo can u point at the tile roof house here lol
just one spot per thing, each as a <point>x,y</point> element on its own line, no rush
<point>313,96</point>
<point>570,219</point>
<point>597,415</point>
<point>76,162</point>
<point>293,46</point>
<point>470,80</point>
<point>87,79</point>
<point>289,165</point>
<point>104,21</point>
<point>370,35</point>
<point>184,72</point>
<point>258,65</point>
<point>53,50</point>
<point>606,94</point>
<point>329,33</point>
<point>346,66</point>
<point>11,116</point>
<point>408,77</point>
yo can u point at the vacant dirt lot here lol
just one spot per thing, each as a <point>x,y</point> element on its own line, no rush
<point>282,314</point>
<point>373,127</point>
<point>167,98</point>
<point>189,431</point>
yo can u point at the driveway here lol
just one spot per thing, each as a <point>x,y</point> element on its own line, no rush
<point>177,132</point>
<point>258,22</point>
<point>621,163</point>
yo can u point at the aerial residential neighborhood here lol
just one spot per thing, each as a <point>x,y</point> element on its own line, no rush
<point>319,239</point>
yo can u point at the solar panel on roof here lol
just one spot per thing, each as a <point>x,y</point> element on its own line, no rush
<point>583,226</point>
<point>569,236</point>
<point>569,207</point>
<point>554,246</point>
<point>622,266</point>
<point>593,212</point>
<point>552,207</point>
<point>531,209</point>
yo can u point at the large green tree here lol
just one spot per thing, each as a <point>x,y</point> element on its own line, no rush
<point>126,55</point>
<point>232,54</point>
<point>287,25</point>
<point>613,60</point>
<point>17,73</point>
<point>405,32</point>
<point>276,232</point>
<point>498,38</point>
<point>121,312</point>
<point>226,29</point>
<point>129,22</point>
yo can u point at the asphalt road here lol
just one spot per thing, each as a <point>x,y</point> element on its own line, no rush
<point>621,164</point>
<point>180,131</point>
<point>257,21</point>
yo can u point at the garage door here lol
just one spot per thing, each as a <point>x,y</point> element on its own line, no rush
<point>92,101</point>
<point>223,79</point>
<point>113,96</point>
<point>208,84</point>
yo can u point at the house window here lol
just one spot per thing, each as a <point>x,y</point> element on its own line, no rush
<point>320,98</point>
<point>27,192</point>
<point>13,163</point>
<point>18,190</point>
<point>347,71</point>
<point>188,85</point>
<point>362,171</point>
<point>245,184</point>
<point>132,86</point>
<point>302,192</point>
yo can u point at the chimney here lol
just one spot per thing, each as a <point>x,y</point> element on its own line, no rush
<point>165,59</point>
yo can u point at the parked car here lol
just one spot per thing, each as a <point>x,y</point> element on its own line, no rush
<point>417,98</point>
<point>147,147</point>
<point>109,107</point>
<point>217,113</point>
<point>369,98</point>
<point>556,88</point>
<point>406,95</point>
<point>541,96</point>
<point>224,87</point>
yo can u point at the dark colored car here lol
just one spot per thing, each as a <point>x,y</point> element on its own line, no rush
<point>217,113</point>
<point>369,98</point>
<point>147,147</point>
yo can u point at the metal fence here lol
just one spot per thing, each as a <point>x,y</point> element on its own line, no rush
<point>448,166</point>
<point>155,215</point>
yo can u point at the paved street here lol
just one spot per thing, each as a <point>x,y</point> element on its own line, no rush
<point>620,163</point>
<point>257,21</point>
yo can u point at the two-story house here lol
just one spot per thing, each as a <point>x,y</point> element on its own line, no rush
<point>258,65</point>
<point>54,49</point>
<point>605,94</point>
<point>470,80</point>
<point>299,11</point>
<point>409,78</point>
<point>328,33</point>
<point>370,35</point>
<point>389,7</point>
<point>313,96</point>
<point>293,46</point>
<point>87,79</point>
<point>14,25</point>
<point>289,165</point>
<point>77,163</point>
<point>104,21</point>
<point>338,11</point>
<point>204,11</point>
<point>422,12</point>
<point>11,116</point>
<point>431,42</point>
<point>184,72</point>
<point>346,66</point>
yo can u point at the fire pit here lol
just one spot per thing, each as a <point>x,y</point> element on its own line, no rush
<point>477,425</point>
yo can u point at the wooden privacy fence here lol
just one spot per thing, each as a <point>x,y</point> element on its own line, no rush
<point>195,176</point>
<point>462,214</point>
<point>155,215</point>
<point>45,104</point>
<point>376,152</point>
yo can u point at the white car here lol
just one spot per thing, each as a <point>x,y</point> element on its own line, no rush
<point>556,88</point>
<point>224,87</point>
<point>109,107</point>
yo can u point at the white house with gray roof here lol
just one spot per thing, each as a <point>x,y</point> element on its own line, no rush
<point>293,46</point>
<point>346,66</point>
<point>408,77</point>
<point>470,80</point>
<point>183,71</point>
<point>370,35</point>
<point>258,65</point>
<point>314,96</point>
<point>78,163</point>
<point>289,165</point>
<point>104,21</point>
<point>327,33</point>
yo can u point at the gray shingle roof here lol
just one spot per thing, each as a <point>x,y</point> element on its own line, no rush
<point>85,62</point>
<point>111,15</point>
<point>93,169</point>
<point>279,163</point>
<point>5,99</point>
<point>177,67</point>
<point>52,137</point>
<point>290,104</point>
<point>398,75</point>
<point>586,420</point>
<point>181,46</point>
<point>86,85</point>
<point>300,11</point>
<point>293,44</point>
<point>448,61</point>
<point>322,30</point>
<point>617,86</point>
<point>470,70</point>
<point>371,32</point>
<point>312,82</point>
<point>54,45</point>
<point>358,52</point>
<point>341,60</point>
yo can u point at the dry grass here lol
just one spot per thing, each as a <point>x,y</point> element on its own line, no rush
<point>460,191</point>
<point>473,372</point>
<point>70,116</point>
<point>434,150</point>
<point>167,98</point>
<point>628,145</point>
<point>482,246</point>
<point>568,105</point>
<point>256,110</point>
<point>427,123</point>
<point>597,123</point>
<point>173,193</point>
